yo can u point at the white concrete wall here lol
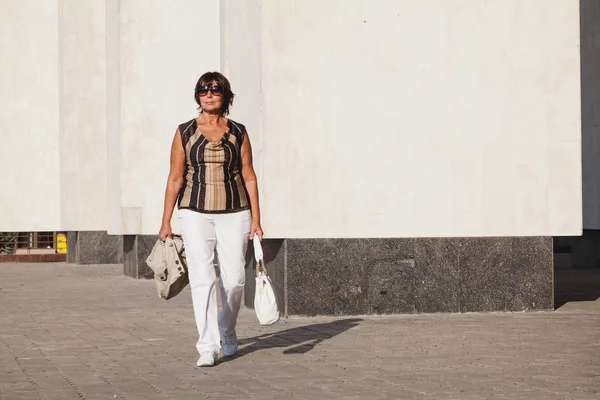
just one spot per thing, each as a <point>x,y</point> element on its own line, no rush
<point>29,110</point>
<point>241,63</point>
<point>93,92</point>
<point>83,113</point>
<point>163,48</point>
<point>590,100</point>
<point>420,118</point>
<point>375,119</point>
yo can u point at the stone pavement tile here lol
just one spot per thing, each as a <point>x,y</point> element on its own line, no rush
<point>95,388</point>
<point>21,395</point>
<point>286,385</point>
<point>310,392</point>
<point>255,386</point>
<point>557,387</point>
<point>344,386</point>
<point>131,385</point>
<point>17,386</point>
<point>182,394</point>
<point>14,383</point>
<point>225,388</point>
<point>49,384</point>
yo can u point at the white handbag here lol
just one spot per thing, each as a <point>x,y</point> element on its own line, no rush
<point>265,302</point>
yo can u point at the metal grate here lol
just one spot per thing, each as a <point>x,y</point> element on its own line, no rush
<point>15,243</point>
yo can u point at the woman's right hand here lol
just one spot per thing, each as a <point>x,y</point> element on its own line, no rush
<point>165,231</point>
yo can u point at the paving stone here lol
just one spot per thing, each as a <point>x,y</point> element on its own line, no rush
<point>91,333</point>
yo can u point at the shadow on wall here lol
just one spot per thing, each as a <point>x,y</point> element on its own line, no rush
<point>577,258</point>
<point>576,285</point>
<point>589,46</point>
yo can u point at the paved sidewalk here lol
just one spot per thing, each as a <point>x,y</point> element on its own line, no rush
<point>87,332</point>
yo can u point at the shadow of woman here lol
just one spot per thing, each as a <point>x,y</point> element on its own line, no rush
<point>302,338</point>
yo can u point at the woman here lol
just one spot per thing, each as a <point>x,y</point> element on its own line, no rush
<point>214,184</point>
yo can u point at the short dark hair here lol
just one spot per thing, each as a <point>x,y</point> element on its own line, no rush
<point>219,78</point>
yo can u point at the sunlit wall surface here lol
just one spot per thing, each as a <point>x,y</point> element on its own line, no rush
<point>368,119</point>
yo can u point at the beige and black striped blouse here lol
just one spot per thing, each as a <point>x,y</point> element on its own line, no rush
<point>213,182</point>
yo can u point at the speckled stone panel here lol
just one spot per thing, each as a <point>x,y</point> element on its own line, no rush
<point>72,247</point>
<point>98,247</point>
<point>437,283</point>
<point>414,275</point>
<point>506,274</point>
<point>350,276</point>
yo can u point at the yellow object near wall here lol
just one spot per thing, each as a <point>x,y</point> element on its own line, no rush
<point>61,243</point>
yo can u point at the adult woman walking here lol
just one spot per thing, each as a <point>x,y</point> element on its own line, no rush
<point>213,182</point>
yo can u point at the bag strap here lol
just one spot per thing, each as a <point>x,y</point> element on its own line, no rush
<point>260,267</point>
<point>259,256</point>
<point>258,251</point>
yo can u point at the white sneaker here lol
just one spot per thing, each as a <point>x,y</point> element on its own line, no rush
<point>229,343</point>
<point>207,359</point>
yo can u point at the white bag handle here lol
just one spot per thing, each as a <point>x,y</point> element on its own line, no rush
<point>258,251</point>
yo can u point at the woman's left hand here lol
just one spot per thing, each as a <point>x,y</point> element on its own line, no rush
<point>256,229</point>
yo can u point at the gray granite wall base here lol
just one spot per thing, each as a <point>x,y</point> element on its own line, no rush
<point>136,249</point>
<point>420,275</point>
<point>94,247</point>
<point>72,247</point>
<point>582,251</point>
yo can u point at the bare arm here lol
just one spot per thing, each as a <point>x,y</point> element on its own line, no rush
<point>174,183</point>
<point>251,186</point>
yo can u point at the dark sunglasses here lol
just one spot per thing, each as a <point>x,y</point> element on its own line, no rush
<point>215,90</point>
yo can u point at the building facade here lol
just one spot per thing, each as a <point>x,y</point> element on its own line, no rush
<point>412,156</point>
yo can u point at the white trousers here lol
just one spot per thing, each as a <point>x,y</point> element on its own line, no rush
<point>228,233</point>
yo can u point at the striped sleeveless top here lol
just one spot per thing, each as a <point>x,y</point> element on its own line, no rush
<point>213,182</point>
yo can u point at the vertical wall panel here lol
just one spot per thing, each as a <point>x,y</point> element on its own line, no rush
<point>29,116</point>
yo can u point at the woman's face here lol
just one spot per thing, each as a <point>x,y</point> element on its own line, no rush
<point>211,97</point>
